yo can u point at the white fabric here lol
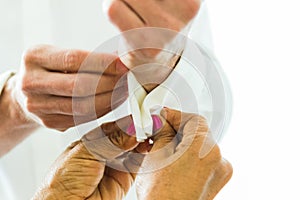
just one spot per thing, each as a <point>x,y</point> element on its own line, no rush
<point>66,23</point>
<point>176,92</point>
<point>3,79</point>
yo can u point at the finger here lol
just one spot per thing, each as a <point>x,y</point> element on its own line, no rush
<point>197,138</point>
<point>92,84</point>
<point>134,162</point>
<point>120,136</point>
<point>88,84</point>
<point>65,60</point>
<point>163,137</point>
<point>88,106</point>
<point>117,133</point>
<point>194,130</point>
<point>54,58</point>
<point>144,147</point>
<point>61,84</point>
<point>115,184</point>
<point>154,15</point>
<point>154,41</point>
<point>123,16</point>
<point>63,122</point>
<point>181,10</point>
<point>109,141</point>
<point>134,159</point>
<point>103,63</point>
<point>175,118</point>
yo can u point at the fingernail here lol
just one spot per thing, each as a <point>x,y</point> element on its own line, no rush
<point>157,123</point>
<point>131,130</point>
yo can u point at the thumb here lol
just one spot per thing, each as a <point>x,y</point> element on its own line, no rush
<point>194,130</point>
<point>174,121</point>
<point>163,137</point>
<point>110,140</point>
<point>196,137</point>
<point>175,118</point>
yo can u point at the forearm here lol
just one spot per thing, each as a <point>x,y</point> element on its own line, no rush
<point>14,126</point>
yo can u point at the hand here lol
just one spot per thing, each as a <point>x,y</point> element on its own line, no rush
<point>80,172</point>
<point>197,170</point>
<point>144,45</point>
<point>53,85</point>
<point>170,14</point>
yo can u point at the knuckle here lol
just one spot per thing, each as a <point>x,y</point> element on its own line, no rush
<point>216,153</point>
<point>108,63</point>
<point>192,7</point>
<point>28,57</point>
<point>113,10</point>
<point>71,58</point>
<point>117,139</point>
<point>199,123</point>
<point>27,84</point>
<point>31,55</point>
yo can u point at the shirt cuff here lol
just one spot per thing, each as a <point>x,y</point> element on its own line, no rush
<point>4,78</point>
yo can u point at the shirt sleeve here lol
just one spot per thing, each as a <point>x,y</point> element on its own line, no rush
<point>4,78</point>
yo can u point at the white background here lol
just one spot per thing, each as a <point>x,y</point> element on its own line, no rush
<point>258,45</point>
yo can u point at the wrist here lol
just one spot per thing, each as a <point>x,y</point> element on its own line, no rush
<point>12,110</point>
<point>14,126</point>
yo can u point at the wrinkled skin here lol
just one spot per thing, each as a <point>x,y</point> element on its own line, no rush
<point>40,93</point>
<point>145,46</point>
<point>170,14</point>
<point>45,85</point>
<point>78,175</point>
<point>188,177</point>
<point>53,86</point>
